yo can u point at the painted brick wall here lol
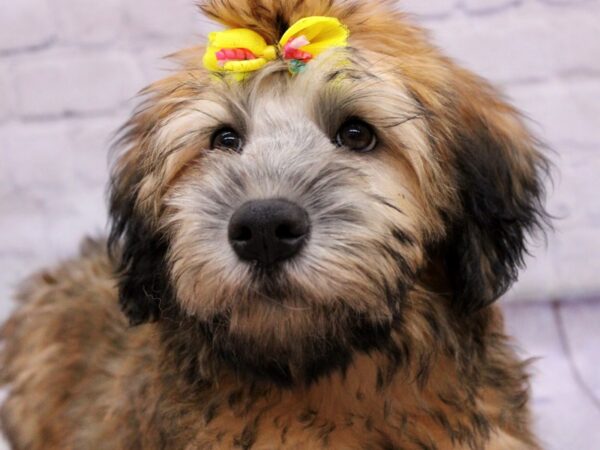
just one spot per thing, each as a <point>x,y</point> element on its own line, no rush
<point>69,69</point>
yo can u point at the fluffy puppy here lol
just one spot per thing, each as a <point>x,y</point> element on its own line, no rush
<point>302,261</point>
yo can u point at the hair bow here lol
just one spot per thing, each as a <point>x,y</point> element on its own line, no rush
<point>240,51</point>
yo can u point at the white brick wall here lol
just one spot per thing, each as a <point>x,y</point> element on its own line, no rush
<point>68,69</point>
<point>26,25</point>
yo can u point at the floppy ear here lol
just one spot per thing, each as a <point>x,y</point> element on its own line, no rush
<point>139,177</point>
<point>137,250</point>
<point>498,171</point>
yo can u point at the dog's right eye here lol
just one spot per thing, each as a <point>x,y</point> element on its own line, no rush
<point>226,139</point>
<point>356,135</point>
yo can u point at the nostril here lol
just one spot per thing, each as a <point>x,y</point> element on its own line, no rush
<point>241,234</point>
<point>289,231</point>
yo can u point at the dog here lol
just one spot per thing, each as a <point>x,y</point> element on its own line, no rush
<point>305,252</point>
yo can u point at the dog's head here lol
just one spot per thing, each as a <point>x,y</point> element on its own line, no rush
<point>289,216</point>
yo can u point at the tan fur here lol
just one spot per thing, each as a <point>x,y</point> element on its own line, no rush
<point>88,381</point>
<point>414,241</point>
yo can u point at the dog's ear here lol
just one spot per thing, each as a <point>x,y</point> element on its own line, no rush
<point>498,170</point>
<point>137,250</point>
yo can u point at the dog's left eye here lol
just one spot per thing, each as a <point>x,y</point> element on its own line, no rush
<point>227,139</point>
<point>356,135</point>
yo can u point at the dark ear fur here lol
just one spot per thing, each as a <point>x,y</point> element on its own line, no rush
<point>499,175</point>
<point>139,253</point>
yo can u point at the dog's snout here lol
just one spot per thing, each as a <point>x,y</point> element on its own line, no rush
<point>268,231</point>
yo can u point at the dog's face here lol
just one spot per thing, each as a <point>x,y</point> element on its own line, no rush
<point>290,216</point>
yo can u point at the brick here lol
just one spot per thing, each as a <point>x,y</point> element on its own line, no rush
<point>6,94</point>
<point>428,9</point>
<point>578,256</point>
<point>34,160</point>
<point>555,389</point>
<point>578,177</point>
<point>570,273</point>
<point>55,228</point>
<point>57,170</point>
<point>154,62</point>
<point>500,47</point>
<point>153,53</point>
<point>157,18</point>
<point>580,322</point>
<point>89,21</point>
<point>575,47</point>
<point>70,84</point>
<point>527,42</point>
<point>57,175</point>
<point>488,6</point>
<point>90,141</point>
<point>566,112</point>
<point>25,233</point>
<point>566,2</point>
<point>88,220</point>
<point>25,24</point>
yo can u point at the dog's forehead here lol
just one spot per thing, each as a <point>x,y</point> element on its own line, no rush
<point>334,85</point>
<point>276,89</point>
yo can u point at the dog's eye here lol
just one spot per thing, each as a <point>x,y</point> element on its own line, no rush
<point>356,135</point>
<point>227,139</point>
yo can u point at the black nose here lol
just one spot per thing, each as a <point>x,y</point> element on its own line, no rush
<point>268,231</point>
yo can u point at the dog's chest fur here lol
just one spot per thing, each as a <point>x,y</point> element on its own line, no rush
<point>96,383</point>
<point>353,411</point>
<point>341,412</point>
<point>350,413</point>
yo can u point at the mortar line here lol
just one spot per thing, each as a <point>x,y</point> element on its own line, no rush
<point>564,340</point>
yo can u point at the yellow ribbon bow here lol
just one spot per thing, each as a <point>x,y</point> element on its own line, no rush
<point>241,51</point>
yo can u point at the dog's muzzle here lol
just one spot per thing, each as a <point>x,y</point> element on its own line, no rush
<point>268,231</point>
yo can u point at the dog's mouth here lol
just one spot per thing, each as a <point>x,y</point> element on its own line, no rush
<point>272,282</point>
